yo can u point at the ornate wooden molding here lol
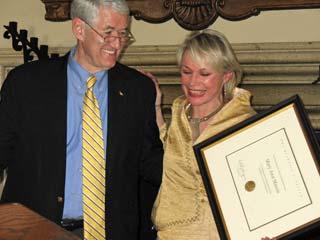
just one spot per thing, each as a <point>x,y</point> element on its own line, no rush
<point>242,9</point>
<point>57,10</point>
<point>189,14</point>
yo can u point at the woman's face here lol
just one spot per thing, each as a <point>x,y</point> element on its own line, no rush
<point>202,86</point>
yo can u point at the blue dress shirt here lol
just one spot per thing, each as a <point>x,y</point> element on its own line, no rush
<point>76,88</point>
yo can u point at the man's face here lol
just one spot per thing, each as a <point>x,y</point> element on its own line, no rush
<point>94,51</point>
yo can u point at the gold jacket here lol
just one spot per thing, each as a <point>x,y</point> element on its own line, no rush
<point>181,210</point>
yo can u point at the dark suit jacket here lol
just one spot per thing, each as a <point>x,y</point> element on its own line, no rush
<point>33,114</point>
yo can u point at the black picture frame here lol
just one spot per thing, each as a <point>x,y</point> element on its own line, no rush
<point>310,228</point>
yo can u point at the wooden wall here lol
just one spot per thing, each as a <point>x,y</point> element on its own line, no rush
<point>272,71</point>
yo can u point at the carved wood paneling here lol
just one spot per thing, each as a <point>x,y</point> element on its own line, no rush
<point>192,14</point>
<point>272,71</point>
<point>57,10</point>
<point>189,14</point>
<point>241,9</point>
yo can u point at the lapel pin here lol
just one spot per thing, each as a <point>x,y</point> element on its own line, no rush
<point>121,93</point>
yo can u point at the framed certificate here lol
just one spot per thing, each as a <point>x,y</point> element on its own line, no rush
<point>262,175</point>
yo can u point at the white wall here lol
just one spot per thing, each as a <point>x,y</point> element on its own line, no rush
<point>271,26</point>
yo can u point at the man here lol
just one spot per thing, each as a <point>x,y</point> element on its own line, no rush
<point>42,141</point>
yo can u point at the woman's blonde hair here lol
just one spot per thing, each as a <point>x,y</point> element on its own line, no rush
<point>213,48</point>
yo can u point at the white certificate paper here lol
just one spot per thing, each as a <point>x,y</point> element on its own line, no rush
<point>274,176</point>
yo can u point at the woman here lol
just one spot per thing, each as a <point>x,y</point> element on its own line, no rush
<point>211,103</point>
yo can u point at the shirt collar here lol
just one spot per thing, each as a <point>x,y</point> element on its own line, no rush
<point>81,75</point>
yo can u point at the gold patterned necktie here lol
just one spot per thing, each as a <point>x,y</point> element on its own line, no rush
<point>93,167</point>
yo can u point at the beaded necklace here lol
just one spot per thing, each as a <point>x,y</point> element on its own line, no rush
<point>195,122</point>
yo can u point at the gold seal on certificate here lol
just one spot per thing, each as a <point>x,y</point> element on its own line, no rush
<point>250,186</point>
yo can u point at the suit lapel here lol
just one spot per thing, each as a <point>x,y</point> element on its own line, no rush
<point>59,109</point>
<point>118,98</point>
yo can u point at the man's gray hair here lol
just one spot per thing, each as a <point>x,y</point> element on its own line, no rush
<point>88,10</point>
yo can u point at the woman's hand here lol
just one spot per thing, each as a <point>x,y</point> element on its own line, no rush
<point>156,84</point>
<point>160,119</point>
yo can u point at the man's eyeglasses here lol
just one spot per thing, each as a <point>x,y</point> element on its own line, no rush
<point>125,36</point>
